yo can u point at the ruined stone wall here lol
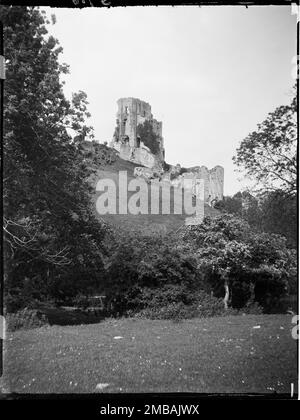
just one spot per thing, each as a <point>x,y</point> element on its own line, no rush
<point>216,183</point>
<point>145,157</point>
<point>140,155</point>
<point>213,181</point>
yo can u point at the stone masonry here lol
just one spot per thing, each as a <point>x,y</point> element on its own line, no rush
<point>131,113</point>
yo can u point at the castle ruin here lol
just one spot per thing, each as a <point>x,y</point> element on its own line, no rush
<point>131,113</point>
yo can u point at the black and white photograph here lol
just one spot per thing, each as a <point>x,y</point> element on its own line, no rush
<point>150,202</point>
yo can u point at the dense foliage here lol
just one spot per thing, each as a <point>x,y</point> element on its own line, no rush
<point>52,242</point>
<point>159,275</point>
<point>138,263</point>
<point>272,212</point>
<point>148,137</point>
<point>96,154</point>
<point>256,267</point>
<point>269,155</point>
<point>55,249</point>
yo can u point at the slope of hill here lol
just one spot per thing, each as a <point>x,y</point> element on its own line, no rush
<point>144,223</point>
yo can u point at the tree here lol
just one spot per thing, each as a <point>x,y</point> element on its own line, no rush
<point>278,214</point>
<point>148,137</point>
<point>240,264</point>
<point>269,155</point>
<point>50,232</point>
<point>232,205</point>
<point>271,211</point>
<point>244,205</point>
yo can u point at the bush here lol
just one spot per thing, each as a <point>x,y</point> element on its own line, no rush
<point>142,266</point>
<point>148,136</point>
<point>166,166</point>
<point>178,303</point>
<point>14,302</point>
<point>183,170</point>
<point>174,311</point>
<point>209,305</point>
<point>80,301</point>
<point>252,309</point>
<point>163,275</point>
<point>99,154</point>
<point>26,319</point>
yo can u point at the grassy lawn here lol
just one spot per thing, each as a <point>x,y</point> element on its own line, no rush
<point>201,355</point>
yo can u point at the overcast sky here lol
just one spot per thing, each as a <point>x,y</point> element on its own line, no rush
<point>210,74</point>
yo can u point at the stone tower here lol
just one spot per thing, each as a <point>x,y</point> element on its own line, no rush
<point>131,113</point>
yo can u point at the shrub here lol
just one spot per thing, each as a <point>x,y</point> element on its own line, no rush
<point>99,154</point>
<point>26,319</point>
<point>16,300</point>
<point>140,266</point>
<point>174,311</point>
<point>183,170</point>
<point>81,301</point>
<point>179,303</point>
<point>208,305</point>
<point>252,309</point>
<point>166,166</point>
<point>148,137</point>
<point>173,176</point>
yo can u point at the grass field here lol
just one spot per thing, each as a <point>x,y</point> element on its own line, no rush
<point>225,354</point>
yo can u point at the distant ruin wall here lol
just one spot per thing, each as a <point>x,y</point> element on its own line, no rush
<point>213,181</point>
<point>139,155</point>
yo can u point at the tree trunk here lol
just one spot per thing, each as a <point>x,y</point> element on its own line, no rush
<point>226,297</point>
<point>252,293</point>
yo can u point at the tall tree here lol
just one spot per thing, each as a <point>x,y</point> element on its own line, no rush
<point>271,211</point>
<point>269,154</point>
<point>278,214</point>
<point>240,264</point>
<point>49,229</point>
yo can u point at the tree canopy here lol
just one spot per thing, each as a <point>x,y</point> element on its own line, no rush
<point>55,247</point>
<point>270,211</point>
<point>253,265</point>
<point>50,232</point>
<point>269,154</point>
<point>148,137</point>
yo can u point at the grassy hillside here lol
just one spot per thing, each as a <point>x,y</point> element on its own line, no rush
<point>145,223</point>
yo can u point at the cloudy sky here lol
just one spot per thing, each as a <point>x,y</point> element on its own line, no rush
<point>211,74</point>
